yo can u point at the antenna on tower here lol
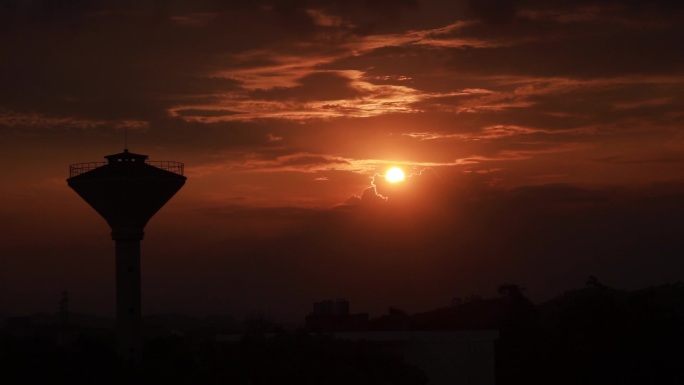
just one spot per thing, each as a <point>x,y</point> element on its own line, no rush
<point>126,138</point>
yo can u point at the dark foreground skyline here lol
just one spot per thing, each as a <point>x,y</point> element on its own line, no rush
<point>542,144</point>
<point>593,335</point>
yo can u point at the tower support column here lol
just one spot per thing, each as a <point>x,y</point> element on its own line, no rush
<point>128,302</point>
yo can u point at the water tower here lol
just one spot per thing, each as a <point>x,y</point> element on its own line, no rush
<point>127,191</point>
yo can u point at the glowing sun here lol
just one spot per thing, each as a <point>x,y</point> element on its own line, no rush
<point>394,175</point>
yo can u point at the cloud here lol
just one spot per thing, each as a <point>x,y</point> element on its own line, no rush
<point>272,161</point>
<point>495,11</point>
<point>667,158</point>
<point>486,133</point>
<point>308,160</point>
<point>319,95</point>
<point>317,86</point>
<point>201,114</point>
<point>220,76</point>
<point>415,194</point>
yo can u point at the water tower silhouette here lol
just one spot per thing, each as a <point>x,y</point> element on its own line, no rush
<point>127,191</point>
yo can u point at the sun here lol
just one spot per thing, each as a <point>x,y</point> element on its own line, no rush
<point>395,175</point>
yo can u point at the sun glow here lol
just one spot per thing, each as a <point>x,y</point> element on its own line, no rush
<point>395,175</point>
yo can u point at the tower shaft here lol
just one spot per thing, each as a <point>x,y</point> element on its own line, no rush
<point>128,303</point>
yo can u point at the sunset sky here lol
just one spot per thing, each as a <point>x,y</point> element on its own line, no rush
<point>542,141</point>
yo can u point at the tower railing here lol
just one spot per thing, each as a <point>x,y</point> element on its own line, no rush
<point>80,168</point>
<point>166,165</point>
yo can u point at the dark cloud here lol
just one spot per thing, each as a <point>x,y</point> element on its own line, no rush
<point>673,158</point>
<point>368,197</point>
<point>495,11</point>
<point>505,11</point>
<point>628,53</point>
<point>134,57</point>
<point>366,17</point>
<point>306,159</point>
<point>204,113</point>
<point>638,4</point>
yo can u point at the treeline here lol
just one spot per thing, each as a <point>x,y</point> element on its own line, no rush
<point>593,335</point>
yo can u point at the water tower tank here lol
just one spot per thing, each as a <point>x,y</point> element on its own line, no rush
<point>127,191</point>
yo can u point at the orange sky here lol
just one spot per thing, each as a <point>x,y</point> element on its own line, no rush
<point>284,111</point>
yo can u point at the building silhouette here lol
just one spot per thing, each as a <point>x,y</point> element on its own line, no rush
<point>447,355</point>
<point>127,191</point>
<point>331,316</point>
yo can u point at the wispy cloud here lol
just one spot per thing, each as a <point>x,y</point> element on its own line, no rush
<point>264,70</point>
<point>372,100</point>
<point>488,133</point>
<point>14,119</point>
